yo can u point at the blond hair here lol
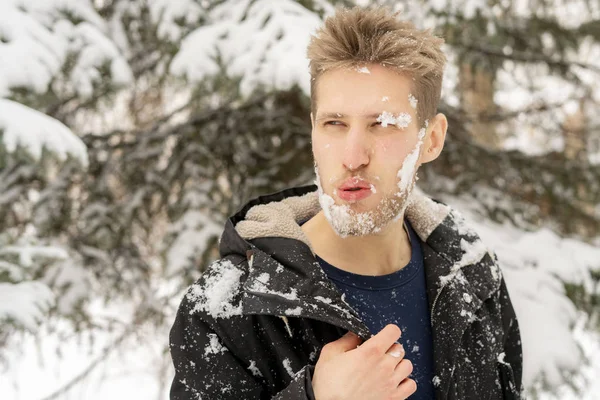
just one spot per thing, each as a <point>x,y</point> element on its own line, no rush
<point>353,37</point>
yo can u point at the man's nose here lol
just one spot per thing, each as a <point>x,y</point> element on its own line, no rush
<point>357,151</point>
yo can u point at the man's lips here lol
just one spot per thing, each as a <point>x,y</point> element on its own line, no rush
<point>354,195</point>
<point>355,184</point>
<point>354,189</point>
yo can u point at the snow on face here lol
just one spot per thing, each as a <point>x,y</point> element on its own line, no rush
<point>215,296</point>
<point>385,98</point>
<point>363,70</point>
<point>401,121</point>
<point>347,222</point>
<point>407,172</point>
<point>412,100</point>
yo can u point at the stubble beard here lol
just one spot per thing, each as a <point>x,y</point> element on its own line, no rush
<point>346,221</point>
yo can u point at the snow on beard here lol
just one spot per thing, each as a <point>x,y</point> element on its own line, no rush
<point>348,222</point>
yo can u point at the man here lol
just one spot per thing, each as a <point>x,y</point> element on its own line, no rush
<point>359,287</point>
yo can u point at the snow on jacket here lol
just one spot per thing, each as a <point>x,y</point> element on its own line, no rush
<point>253,325</point>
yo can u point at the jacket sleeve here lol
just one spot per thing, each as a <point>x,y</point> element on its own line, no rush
<point>206,368</point>
<point>512,340</point>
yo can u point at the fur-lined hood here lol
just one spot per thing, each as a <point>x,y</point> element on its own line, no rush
<point>282,218</point>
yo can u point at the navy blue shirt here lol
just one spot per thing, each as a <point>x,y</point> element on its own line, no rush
<point>398,298</point>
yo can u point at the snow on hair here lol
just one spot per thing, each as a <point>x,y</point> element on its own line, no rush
<point>355,36</point>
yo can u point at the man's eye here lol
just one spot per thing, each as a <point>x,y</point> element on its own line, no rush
<point>334,123</point>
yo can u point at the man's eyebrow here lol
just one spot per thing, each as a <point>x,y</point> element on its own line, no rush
<point>334,115</point>
<point>329,115</point>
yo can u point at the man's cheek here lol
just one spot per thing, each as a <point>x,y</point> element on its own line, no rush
<point>390,154</point>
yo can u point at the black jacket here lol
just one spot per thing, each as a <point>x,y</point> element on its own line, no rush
<point>253,325</point>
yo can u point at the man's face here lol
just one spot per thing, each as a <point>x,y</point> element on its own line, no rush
<point>367,145</point>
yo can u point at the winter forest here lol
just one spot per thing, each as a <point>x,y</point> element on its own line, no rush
<point>131,129</point>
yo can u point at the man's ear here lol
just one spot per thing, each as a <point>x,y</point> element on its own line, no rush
<point>435,138</point>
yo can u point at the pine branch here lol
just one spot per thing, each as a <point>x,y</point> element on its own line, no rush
<point>526,56</point>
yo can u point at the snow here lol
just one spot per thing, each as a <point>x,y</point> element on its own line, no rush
<point>472,253</point>
<point>169,15</point>
<point>96,49</point>
<point>40,39</point>
<point>136,368</point>
<point>215,296</point>
<point>288,368</point>
<point>322,299</point>
<point>363,70</point>
<point>407,171</point>
<point>27,253</point>
<point>26,128</point>
<point>74,283</point>
<point>294,311</point>
<point>501,358</point>
<point>401,121</point>
<point>26,303</point>
<point>264,278</point>
<point>193,232</point>
<point>413,101</point>
<point>254,369</point>
<point>214,346</point>
<point>263,41</point>
<point>585,385</point>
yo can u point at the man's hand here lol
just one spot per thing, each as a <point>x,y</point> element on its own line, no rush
<point>374,370</point>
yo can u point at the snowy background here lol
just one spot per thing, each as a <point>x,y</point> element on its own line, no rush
<point>130,129</point>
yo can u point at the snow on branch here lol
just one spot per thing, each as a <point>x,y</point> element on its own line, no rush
<point>263,42</point>
<point>21,126</point>
<point>169,15</point>
<point>40,38</point>
<point>25,303</point>
<point>193,231</point>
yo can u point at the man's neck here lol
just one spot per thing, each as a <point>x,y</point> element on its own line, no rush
<point>380,254</point>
